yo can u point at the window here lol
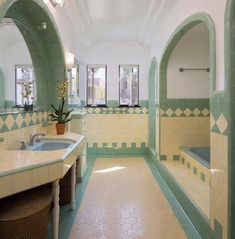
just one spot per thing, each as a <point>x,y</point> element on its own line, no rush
<point>96,85</point>
<point>129,85</point>
<point>73,91</point>
<point>25,85</point>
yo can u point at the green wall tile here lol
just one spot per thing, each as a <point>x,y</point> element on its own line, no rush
<point>114,145</point>
<point>176,157</point>
<point>163,157</point>
<point>203,177</point>
<point>218,230</point>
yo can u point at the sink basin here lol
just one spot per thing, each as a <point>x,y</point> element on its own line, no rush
<point>50,145</point>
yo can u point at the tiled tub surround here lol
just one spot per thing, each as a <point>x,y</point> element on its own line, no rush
<point>194,166</point>
<point>197,190</point>
<point>176,132</point>
<point>22,170</point>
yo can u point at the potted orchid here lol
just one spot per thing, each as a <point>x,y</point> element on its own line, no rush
<point>60,114</point>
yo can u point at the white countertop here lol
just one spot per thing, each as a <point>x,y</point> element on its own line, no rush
<point>14,161</point>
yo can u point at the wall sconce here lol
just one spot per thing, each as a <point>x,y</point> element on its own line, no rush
<point>69,60</point>
<point>57,2</point>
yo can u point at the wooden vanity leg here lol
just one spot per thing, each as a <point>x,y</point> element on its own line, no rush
<point>73,185</point>
<point>56,209</point>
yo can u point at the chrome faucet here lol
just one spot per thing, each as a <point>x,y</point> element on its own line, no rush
<point>22,145</point>
<point>36,137</point>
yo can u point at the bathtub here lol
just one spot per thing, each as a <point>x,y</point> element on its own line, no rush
<point>201,154</point>
<point>197,160</point>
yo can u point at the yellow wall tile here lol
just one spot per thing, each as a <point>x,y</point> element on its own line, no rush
<point>114,128</point>
<point>22,181</point>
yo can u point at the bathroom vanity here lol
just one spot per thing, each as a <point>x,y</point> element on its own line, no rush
<point>25,169</point>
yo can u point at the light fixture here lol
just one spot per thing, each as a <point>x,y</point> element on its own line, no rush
<point>69,60</point>
<point>57,2</point>
<point>44,25</point>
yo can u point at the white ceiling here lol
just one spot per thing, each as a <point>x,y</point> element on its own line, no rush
<point>117,20</point>
<point>109,20</point>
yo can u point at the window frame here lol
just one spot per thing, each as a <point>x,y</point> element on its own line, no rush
<point>130,66</point>
<point>96,66</point>
<point>73,100</point>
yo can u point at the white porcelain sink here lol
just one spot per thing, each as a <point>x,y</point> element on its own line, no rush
<point>51,144</point>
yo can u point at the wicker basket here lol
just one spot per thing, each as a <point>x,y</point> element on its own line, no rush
<point>66,186</point>
<point>26,215</point>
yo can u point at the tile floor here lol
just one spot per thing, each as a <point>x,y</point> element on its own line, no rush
<point>123,201</point>
<point>198,191</point>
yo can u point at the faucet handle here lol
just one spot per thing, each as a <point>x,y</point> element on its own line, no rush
<point>38,137</point>
<point>22,145</point>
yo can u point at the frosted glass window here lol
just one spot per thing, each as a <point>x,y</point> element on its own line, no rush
<point>96,85</point>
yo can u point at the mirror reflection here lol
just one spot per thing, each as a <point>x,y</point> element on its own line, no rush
<point>187,129</point>
<point>73,77</point>
<point>18,84</point>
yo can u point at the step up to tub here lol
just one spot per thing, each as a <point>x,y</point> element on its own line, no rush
<point>197,160</point>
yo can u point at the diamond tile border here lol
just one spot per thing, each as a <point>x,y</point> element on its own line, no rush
<point>15,121</point>
<point>116,110</point>
<point>219,125</point>
<point>185,112</point>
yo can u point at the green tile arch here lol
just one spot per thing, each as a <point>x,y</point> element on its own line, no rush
<point>171,44</point>
<point>45,47</point>
<point>165,103</point>
<point>229,100</point>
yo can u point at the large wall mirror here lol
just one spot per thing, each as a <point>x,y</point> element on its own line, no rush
<point>32,58</point>
<point>17,75</point>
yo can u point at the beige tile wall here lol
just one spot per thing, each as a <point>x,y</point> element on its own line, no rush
<point>219,181</point>
<point>176,132</point>
<point>13,137</point>
<point>117,128</point>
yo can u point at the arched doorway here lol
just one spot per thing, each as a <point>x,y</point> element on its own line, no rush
<point>176,111</point>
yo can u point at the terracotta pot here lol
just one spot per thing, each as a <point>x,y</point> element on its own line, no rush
<point>60,128</point>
